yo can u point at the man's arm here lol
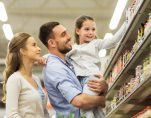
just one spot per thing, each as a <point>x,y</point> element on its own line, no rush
<point>85,101</point>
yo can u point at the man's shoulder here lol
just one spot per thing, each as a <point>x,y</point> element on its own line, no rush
<point>54,63</point>
<point>53,60</point>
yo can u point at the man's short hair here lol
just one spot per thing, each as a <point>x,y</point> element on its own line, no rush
<point>46,32</point>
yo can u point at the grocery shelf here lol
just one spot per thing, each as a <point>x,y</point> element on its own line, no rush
<point>139,16</point>
<point>127,107</point>
<point>130,64</point>
<point>128,104</point>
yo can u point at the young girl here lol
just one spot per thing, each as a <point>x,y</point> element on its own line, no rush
<point>24,95</point>
<point>85,58</point>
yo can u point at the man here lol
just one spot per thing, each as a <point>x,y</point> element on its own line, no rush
<point>63,87</point>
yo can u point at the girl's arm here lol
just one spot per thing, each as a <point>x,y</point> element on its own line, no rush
<point>110,43</point>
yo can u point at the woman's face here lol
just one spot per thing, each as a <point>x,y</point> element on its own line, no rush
<point>87,32</point>
<point>32,51</point>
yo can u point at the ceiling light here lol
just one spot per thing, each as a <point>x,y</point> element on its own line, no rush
<point>7,31</point>
<point>3,14</point>
<point>102,53</point>
<point>117,14</point>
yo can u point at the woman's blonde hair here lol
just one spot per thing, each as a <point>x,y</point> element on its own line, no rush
<point>13,58</point>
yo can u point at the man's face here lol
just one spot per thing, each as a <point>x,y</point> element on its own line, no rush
<point>62,39</point>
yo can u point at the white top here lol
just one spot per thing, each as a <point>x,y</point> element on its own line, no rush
<point>85,58</point>
<point>22,99</point>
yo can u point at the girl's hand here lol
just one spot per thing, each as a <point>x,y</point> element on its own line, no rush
<point>42,61</point>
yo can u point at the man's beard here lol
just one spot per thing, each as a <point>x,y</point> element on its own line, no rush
<point>65,50</point>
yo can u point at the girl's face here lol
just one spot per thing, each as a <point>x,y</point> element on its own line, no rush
<point>32,51</point>
<point>87,32</point>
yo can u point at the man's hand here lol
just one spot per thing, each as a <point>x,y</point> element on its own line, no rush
<point>98,85</point>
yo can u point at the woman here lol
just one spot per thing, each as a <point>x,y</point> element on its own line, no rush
<point>24,95</point>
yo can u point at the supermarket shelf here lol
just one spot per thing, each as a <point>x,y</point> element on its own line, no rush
<point>122,107</point>
<point>138,17</point>
<point>140,96</point>
<point>119,81</point>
